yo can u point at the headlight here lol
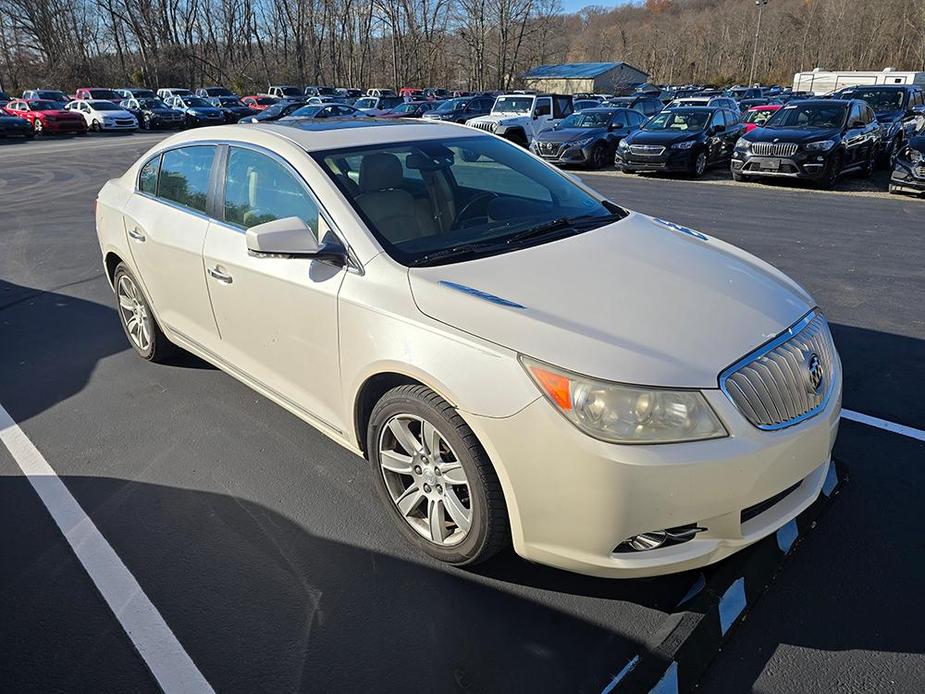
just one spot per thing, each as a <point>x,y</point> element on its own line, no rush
<point>820,145</point>
<point>626,414</point>
<point>742,145</point>
<point>915,156</point>
<point>582,142</point>
<point>683,145</point>
<point>624,145</point>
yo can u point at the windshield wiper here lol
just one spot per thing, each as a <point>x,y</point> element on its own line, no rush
<point>462,249</point>
<point>559,223</point>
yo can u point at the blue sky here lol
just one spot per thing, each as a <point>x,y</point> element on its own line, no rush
<point>575,5</point>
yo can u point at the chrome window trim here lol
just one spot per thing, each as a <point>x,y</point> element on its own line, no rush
<point>783,337</point>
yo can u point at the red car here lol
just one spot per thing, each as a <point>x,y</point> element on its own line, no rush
<point>97,93</point>
<point>259,102</point>
<point>757,116</point>
<point>47,116</point>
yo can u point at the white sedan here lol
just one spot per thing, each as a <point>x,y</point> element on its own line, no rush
<point>103,115</point>
<point>520,359</point>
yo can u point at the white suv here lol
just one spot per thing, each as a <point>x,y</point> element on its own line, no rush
<point>520,359</point>
<point>521,117</point>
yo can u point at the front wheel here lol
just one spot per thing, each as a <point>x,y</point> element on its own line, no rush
<point>739,178</point>
<point>435,478</point>
<point>37,126</point>
<point>832,171</point>
<point>95,126</point>
<point>598,158</point>
<point>699,164</point>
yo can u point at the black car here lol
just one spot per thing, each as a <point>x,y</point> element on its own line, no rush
<point>685,139</point>
<point>197,110</point>
<point>14,126</point>
<point>153,113</point>
<point>280,109</point>
<point>210,92</point>
<point>909,167</point>
<point>589,137</point>
<point>647,105</point>
<point>232,106</point>
<point>136,93</point>
<point>461,109</point>
<point>816,139</point>
<point>900,111</point>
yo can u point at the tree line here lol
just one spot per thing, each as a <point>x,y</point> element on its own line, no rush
<point>463,44</point>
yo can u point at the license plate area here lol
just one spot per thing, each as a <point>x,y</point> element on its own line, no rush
<point>768,164</point>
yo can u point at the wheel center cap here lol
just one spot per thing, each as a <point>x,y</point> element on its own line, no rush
<point>429,477</point>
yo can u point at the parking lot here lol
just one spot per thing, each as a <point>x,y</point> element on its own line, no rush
<point>259,541</point>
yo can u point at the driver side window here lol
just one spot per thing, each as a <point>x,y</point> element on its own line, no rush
<point>543,107</point>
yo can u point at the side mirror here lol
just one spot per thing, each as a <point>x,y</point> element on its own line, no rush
<point>291,237</point>
<point>719,128</point>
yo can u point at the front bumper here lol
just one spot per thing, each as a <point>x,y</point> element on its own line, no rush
<point>119,125</point>
<point>16,130</point>
<point>802,164</point>
<point>670,160</point>
<point>907,177</point>
<point>562,153</point>
<point>573,499</point>
<point>64,126</point>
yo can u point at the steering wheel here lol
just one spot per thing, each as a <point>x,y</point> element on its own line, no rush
<point>486,195</point>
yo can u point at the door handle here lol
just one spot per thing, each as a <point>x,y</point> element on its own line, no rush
<point>222,277</point>
<point>135,234</point>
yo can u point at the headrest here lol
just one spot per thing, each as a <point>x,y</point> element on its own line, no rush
<point>380,171</point>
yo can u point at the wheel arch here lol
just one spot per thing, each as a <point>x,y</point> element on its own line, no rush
<point>111,261</point>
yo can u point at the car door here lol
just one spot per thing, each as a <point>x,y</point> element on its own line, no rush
<point>855,135</point>
<point>277,316</point>
<point>166,221</point>
<point>732,133</point>
<point>542,114</point>
<point>715,130</point>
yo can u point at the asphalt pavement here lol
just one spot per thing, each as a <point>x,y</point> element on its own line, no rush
<point>262,543</point>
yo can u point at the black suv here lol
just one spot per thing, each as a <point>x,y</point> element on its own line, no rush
<point>687,139</point>
<point>909,167</point>
<point>461,109</point>
<point>900,111</point>
<point>816,139</point>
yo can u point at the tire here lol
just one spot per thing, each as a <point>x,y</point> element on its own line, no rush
<point>95,126</point>
<point>868,169</point>
<point>739,178</point>
<point>409,409</point>
<point>156,347</point>
<point>599,156</point>
<point>146,123</point>
<point>699,164</point>
<point>37,126</point>
<point>832,171</point>
<point>518,138</point>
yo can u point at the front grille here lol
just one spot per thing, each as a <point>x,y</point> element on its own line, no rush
<point>547,149</point>
<point>774,149</point>
<point>124,121</point>
<point>762,506</point>
<point>486,126</point>
<point>647,150</point>
<point>774,387</point>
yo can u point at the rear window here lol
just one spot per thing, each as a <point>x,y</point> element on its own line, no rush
<point>185,174</point>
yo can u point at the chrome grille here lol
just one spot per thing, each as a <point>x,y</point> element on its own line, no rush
<point>487,126</point>
<point>647,150</point>
<point>547,149</point>
<point>773,387</point>
<point>774,149</point>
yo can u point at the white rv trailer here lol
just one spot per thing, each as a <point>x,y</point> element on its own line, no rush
<point>821,81</point>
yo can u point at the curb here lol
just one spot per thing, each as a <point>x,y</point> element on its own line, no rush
<point>713,607</point>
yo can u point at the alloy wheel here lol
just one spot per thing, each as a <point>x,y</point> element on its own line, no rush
<point>700,164</point>
<point>134,313</point>
<point>425,479</point>
<point>37,126</point>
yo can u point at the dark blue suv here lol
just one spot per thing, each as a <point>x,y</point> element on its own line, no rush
<point>900,111</point>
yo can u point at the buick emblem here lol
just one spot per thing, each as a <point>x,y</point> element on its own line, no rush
<point>814,372</point>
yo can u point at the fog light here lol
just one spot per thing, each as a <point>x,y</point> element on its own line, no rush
<point>658,538</point>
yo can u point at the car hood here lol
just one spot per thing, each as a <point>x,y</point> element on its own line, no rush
<point>797,135</point>
<point>569,134</point>
<point>207,110</point>
<point>60,112</point>
<point>638,301</point>
<point>120,113</point>
<point>662,137</point>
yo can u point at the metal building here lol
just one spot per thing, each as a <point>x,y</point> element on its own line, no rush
<point>592,78</point>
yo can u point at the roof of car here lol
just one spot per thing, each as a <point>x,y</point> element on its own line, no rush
<point>315,135</point>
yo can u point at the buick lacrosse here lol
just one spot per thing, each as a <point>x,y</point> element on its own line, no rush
<point>521,360</point>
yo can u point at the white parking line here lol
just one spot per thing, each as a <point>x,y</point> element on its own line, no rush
<point>171,666</point>
<point>893,427</point>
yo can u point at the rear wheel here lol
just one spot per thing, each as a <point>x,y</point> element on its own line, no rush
<point>435,478</point>
<point>135,315</point>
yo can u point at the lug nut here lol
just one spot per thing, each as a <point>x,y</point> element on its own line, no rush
<point>439,489</point>
<point>437,472</point>
<point>417,469</point>
<point>427,489</point>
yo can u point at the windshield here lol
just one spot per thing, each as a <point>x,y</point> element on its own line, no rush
<point>405,108</point>
<point>290,91</point>
<point>45,105</point>
<point>218,91</point>
<point>881,100</point>
<point>430,202</point>
<point>587,119</point>
<point>108,94</point>
<point>230,101</point>
<point>452,105</point>
<point>809,116</point>
<point>105,106</point>
<point>195,101</point>
<point>679,119</point>
<point>151,103</point>
<point>757,117</point>
<point>366,102</point>
<point>306,111</point>
<point>513,104</point>
<point>142,93</point>
<point>51,95</point>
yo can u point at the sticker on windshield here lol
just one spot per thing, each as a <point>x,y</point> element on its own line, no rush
<point>682,229</point>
